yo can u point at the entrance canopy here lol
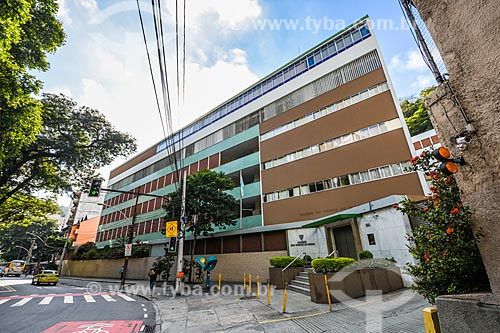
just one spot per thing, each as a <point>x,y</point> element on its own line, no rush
<point>329,219</point>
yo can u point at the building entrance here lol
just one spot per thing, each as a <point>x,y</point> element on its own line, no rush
<point>344,241</point>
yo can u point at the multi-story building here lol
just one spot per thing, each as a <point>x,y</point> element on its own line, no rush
<point>319,135</point>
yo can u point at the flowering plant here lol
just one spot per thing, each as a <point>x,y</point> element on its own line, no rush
<point>445,247</point>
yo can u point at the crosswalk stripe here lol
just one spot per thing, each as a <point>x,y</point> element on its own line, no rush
<point>125,297</point>
<point>89,299</point>
<point>22,302</point>
<point>4,301</point>
<point>68,299</point>
<point>108,298</point>
<point>46,300</point>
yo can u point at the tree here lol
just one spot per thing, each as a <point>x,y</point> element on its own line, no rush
<point>28,31</point>
<point>25,210</point>
<point>16,238</point>
<point>73,143</point>
<point>207,203</point>
<point>445,248</point>
<point>415,113</point>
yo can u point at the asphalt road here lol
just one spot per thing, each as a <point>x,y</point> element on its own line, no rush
<point>26,308</point>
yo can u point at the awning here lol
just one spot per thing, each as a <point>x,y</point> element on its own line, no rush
<point>330,219</point>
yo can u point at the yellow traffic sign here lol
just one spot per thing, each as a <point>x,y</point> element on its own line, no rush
<point>171,229</point>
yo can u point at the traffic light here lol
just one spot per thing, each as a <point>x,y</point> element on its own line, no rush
<point>95,188</point>
<point>448,165</point>
<point>163,229</point>
<point>172,246</point>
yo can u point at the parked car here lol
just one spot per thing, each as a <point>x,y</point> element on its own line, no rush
<point>45,276</point>
<point>2,271</point>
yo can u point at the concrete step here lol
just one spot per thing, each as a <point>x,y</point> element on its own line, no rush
<point>302,284</point>
<point>304,291</point>
<point>302,278</point>
<point>304,274</point>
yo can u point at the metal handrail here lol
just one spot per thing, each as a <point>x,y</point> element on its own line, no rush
<point>297,257</point>
<point>335,253</point>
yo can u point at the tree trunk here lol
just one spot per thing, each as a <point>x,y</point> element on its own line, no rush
<point>192,258</point>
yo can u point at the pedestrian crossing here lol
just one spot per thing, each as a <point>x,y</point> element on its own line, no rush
<point>18,301</point>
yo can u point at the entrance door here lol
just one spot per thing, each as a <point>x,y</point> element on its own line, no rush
<point>344,242</point>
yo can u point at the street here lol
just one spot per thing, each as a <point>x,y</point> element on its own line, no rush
<point>62,308</point>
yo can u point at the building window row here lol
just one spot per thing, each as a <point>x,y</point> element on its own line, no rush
<point>348,72</point>
<point>231,130</point>
<point>341,181</point>
<point>337,142</point>
<point>356,98</point>
<point>351,37</point>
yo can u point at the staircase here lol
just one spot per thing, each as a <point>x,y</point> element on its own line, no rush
<point>301,282</point>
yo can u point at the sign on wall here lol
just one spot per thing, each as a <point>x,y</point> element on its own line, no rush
<point>128,250</point>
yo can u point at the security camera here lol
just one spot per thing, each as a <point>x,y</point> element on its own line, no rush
<point>463,140</point>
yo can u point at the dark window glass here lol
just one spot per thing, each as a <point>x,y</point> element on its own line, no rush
<point>371,239</point>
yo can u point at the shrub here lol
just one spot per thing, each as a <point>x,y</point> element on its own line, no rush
<point>282,262</point>
<point>445,248</point>
<point>92,254</point>
<point>331,264</point>
<point>307,259</point>
<point>365,254</point>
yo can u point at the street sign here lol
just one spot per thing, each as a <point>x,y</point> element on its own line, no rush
<point>128,250</point>
<point>171,229</point>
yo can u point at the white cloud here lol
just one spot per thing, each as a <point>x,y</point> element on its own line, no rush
<point>412,61</point>
<point>59,90</point>
<point>423,81</point>
<point>63,12</point>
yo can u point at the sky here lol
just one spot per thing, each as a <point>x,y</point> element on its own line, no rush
<point>230,44</point>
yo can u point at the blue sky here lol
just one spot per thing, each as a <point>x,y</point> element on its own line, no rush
<point>230,45</point>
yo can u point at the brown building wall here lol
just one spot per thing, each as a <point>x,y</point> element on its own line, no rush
<point>377,151</point>
<point>324,100</point>
<point>361,115</point>
<point>320,204</point>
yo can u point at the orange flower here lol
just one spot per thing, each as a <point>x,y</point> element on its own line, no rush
<point>427,256</point>
<point>432,188</point>
<point>452,224</point>
<point>422,155</point>
<point>425,209</point>
<point>454,211</point>
<point>432,173</point>
<point>395,206</point>
<point>449,231</point>
<point>435,177</point>
<point>459,205</point>
<point>443,254</point>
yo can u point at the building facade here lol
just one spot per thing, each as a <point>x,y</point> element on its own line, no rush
<point>322,134</point>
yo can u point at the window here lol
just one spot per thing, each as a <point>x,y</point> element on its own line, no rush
<point>347,40</point>
<point>355,179</point>
<point>364,133</point>
<point>374,130</point>
<point>343,180</point>
<point>340,44</point>
<point>396,169</point>
<point>310,61</point>
<point>374,174</point>
<point>304,189</point>
<point>328,184</point>
<point>319,186</point>
<point>312,187</point>
<point>317,57</point>
<point>356,35</point>
<point>346,139</point>
<point>324,52</point>
<point>385,171</point>
<point>364,31</point>
<point>371,239</point>
<point>332,50</point>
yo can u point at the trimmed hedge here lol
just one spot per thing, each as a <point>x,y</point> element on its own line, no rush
<point>282,262</point>
<point>365,254</point>
<point>331,264</point>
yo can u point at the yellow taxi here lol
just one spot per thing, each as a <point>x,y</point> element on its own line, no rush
<point>46,276</point>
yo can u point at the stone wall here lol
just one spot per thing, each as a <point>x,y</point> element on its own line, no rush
<point>466,33</point>
<point>232,266</point>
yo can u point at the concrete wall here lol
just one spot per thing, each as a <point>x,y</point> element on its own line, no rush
<point>466,33</point>
<point>310,236</point>
<point>231,266</point>
<point>138,268</point>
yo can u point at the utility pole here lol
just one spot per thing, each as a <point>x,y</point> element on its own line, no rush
<point>130,240</point>
<point>180,247</point>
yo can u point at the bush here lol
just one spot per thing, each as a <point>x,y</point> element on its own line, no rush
<point>92,254</point>
<point>331,264</point>
<point>307,259</point>
<point>282,262</point>
<point>365,255</point>
<point>445,248</point>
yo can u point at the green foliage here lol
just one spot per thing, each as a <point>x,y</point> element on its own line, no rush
<point>307,259</point>
<point>162,265</point>
<point>88,251</point>
<point>25,210</point>
<point>372,263</point>
<point>14,237</point>
<point>365,254</point>
<point>28,31</point>
<point>448,260</point>
<point>73,143</point>
<point>208,205</point>
<point>415,113</point>
<point>331,264</point>
<point>282,262</point>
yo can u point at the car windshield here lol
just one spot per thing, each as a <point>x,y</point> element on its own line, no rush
<point>49,272</point>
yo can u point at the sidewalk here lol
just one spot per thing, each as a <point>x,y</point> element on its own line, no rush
<point>233,311</point>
